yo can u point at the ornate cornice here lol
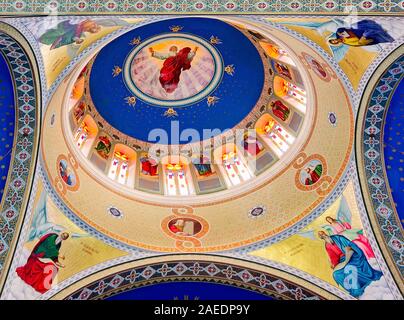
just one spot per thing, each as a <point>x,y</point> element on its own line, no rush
<point>82,7</point>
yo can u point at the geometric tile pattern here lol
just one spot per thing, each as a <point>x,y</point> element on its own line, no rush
<point>20,166</point>
<point>388,222</point>
<point>225,273</point>
<point>198,6</point>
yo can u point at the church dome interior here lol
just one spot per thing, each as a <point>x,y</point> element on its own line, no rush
<point>206,151</point>
<point>265,122</point>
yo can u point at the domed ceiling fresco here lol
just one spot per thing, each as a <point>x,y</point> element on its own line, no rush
<point>197,157</point>
<point>208,71</point>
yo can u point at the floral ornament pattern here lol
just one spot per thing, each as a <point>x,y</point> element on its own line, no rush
<point>115,212</point>
<point>26,104</point>
<point>257,212</point>
<point>197,6</point>
<point>375,177</point>
<point>130,279</point>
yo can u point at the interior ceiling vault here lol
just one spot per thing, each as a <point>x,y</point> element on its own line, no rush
<point>255,153</point>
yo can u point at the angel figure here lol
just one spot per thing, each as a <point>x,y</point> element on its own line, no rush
<point>346,250</point>
<point>43,263</point>
<point>341,35</point>
<point>342,225</point>
<point>351,269</point>
<point>72,32</point>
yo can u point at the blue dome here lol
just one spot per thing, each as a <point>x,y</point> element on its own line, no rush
<point>150,90</point>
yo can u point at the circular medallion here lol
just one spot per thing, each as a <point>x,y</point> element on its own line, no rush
<point>311,172</point>
<point>332,118</point>
<point>257,211</point>
<point>173,70</point>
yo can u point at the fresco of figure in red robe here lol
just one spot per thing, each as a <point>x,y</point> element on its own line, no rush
<point>184,227</point>
<point>280,110</point>
<point>43,263</point>
<point>149,166</point>
<point>174,63</point>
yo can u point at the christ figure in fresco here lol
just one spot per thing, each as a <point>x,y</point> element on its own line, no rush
<point>43,263</point>
<point>174,63</point>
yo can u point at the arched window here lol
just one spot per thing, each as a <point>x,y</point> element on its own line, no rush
<point>122,166</point>
<point>291,93</point>
<point>233,164</point>
<point>276,52</point>
<point>85,134</point>
<point>176,175</point>
<point>274,134</point>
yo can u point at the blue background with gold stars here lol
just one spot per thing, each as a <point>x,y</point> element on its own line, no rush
<point>394,148</point>
<point>238,93</point>
<point>7,121</point>
<point>189,291</point>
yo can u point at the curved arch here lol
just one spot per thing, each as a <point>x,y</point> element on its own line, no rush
<point>370,162</point>
<point>200,268</point>
<point>27,90</point>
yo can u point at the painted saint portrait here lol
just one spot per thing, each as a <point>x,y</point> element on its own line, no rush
<point>149,166</point>
<point>283,70</point>
<point>317,67</point>
<point>203,166</point>
<point>103,146</point>
<point>172,68</point>
<point>184,227</point>
<point>252,145</point>
<point>79,110</point>
<point>311,173</point>
<point>352,270</point>
<point>348,250</point>
<point>66,173</point>
<point>66,33</point>
<point>43,263</point>
<point>364,33</point>
<point>280,110</point>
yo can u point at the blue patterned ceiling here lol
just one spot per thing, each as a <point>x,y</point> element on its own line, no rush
<point>189,291</point>
<point>7,121</point>
<point>237,92</point>
<point>394,148</point>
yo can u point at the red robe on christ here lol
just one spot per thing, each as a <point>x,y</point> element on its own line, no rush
<point>171,70</point>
